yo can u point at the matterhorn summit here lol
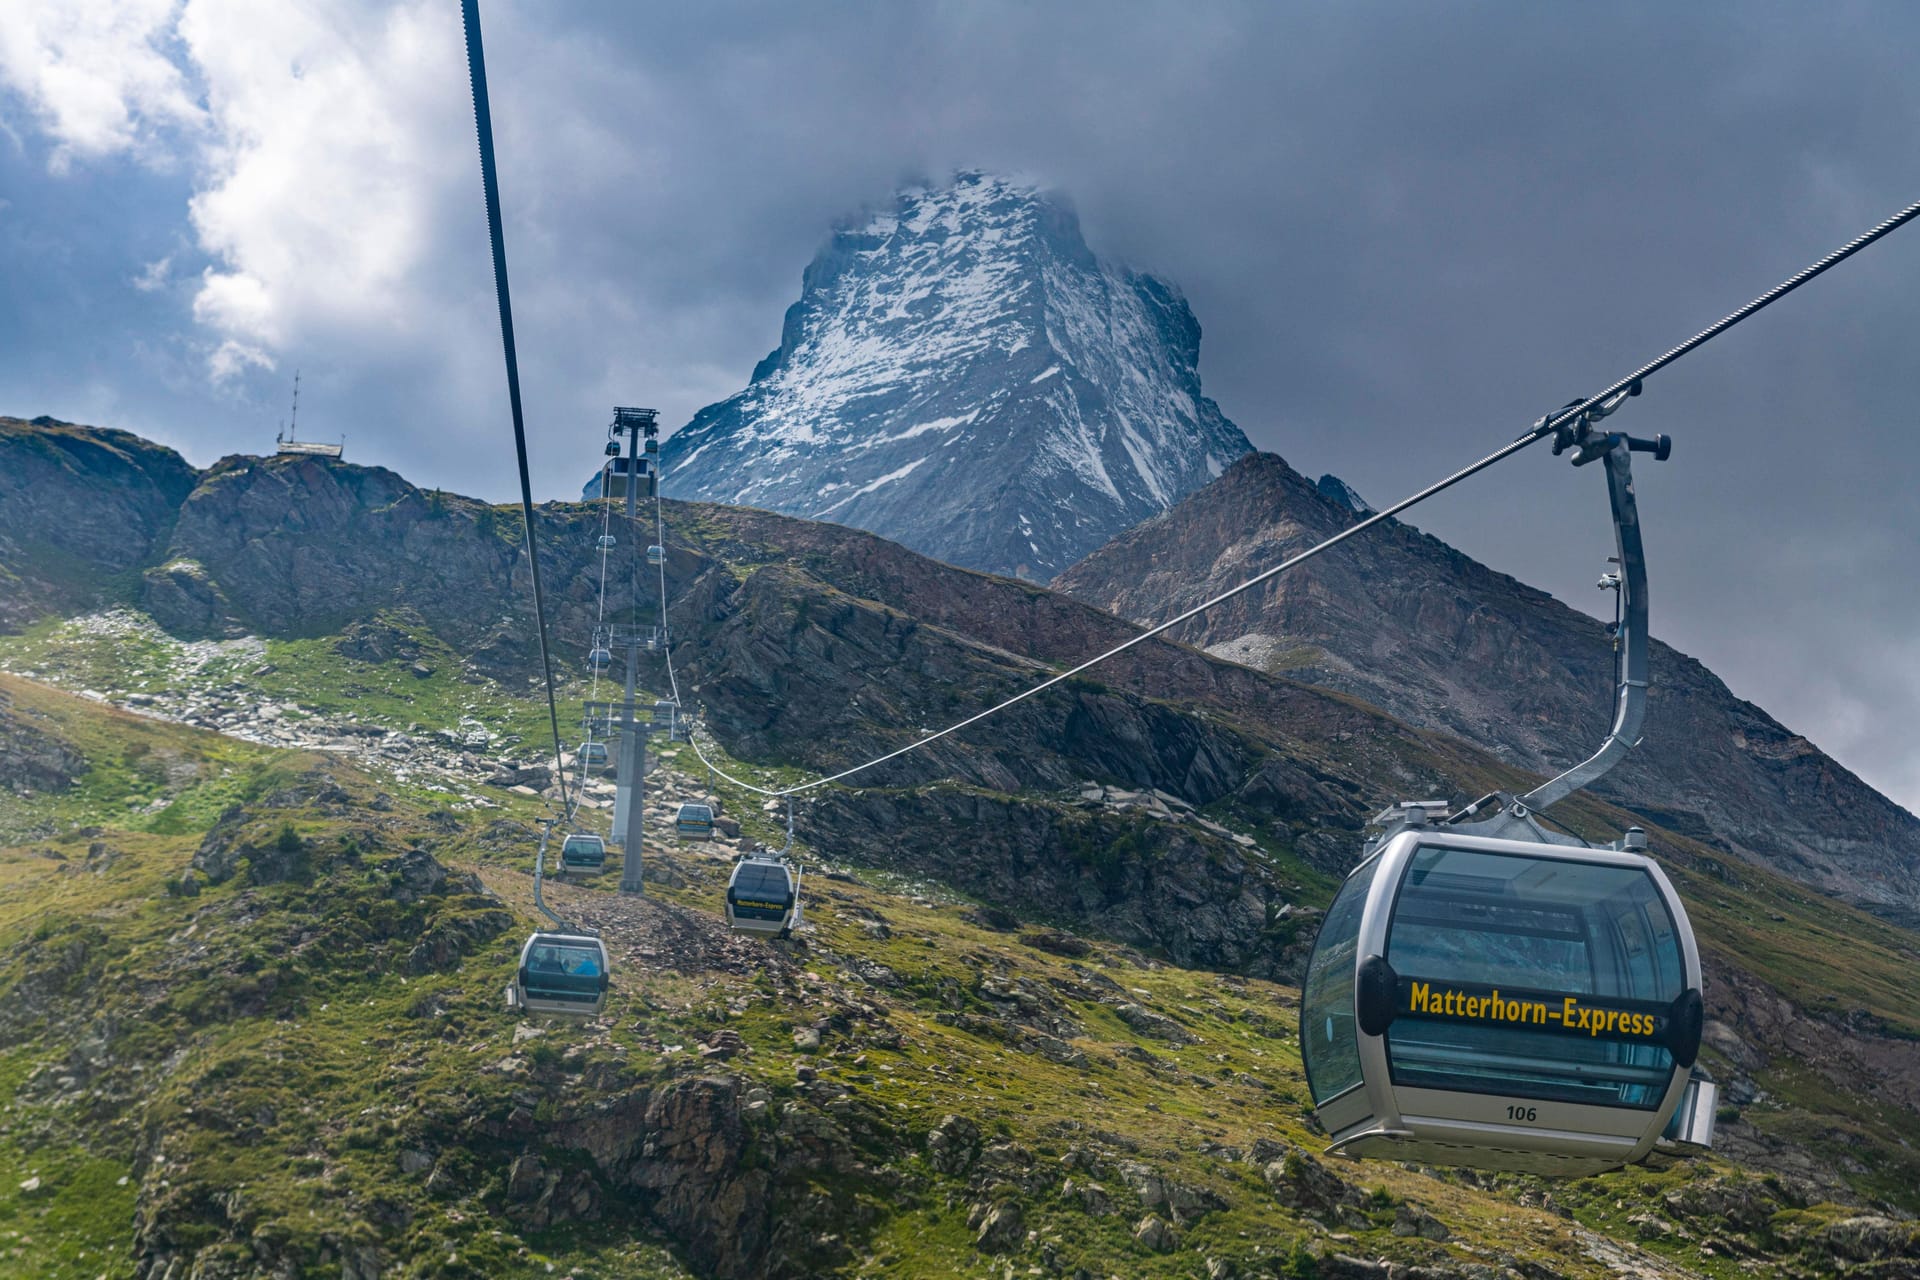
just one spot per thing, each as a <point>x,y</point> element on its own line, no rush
<point>963,375</point>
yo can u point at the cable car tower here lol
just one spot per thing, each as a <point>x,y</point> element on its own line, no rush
<point>632,477</point>
<point>1490,993</point>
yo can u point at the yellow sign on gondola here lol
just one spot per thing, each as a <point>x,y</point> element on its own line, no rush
<point>1575,1015</point>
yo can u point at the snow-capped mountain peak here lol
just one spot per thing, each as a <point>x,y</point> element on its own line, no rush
<point>963,375</point>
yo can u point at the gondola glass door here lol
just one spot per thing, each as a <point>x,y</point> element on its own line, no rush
<point>1533,978</point>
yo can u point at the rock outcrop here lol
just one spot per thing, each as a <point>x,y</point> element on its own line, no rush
<point>1180,890</point>
<point>79,507</point>
<point>33,755</point>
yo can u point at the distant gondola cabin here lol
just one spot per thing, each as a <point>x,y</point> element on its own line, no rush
<point>583,852</point>
<point>763,897</point>
<point>561,973</point>
<point>694,822</point>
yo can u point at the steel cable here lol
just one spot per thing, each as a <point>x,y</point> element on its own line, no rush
<point>483,126</point>
<point>666,634</point>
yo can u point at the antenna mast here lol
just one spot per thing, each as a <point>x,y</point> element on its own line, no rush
<point>289,441</point>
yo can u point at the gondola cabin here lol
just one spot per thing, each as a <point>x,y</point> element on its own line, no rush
<point>656,555</point>
<point>694,822</point>
<point>622,474</point>
<point>561,973</point>
<point>763,897</point>
<point>666,716</point>
<point>593,754</point>
<point>1503,1004</point>
<point>599,657</point>
<point>583,852</point>
<point>608,542</point>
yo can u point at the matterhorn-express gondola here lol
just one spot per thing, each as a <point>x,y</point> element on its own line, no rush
<point>1489,993</point>
<point>581,851</point>
<point>561,973</point>
<point>763,896</point>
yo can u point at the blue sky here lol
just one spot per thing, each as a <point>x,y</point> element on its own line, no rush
<point>1406,230</point>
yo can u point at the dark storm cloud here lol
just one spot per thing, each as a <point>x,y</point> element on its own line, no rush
<point>1407,231</point>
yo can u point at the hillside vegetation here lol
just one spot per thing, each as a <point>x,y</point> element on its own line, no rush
<point>279,1046</point>
<point>262,886</point>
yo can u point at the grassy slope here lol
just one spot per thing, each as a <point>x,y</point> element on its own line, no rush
<point>330,1078</point>
<point>339,1068</point>
<point>128,654</point>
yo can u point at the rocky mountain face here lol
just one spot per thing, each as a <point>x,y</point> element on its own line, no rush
<point>79,506</point>
<point>962,375</point>
<point>1442,642</point>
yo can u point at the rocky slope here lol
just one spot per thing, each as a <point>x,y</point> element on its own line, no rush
<point>964,376</point>
<point>1071,930</point>
<point>1440,641</point>
<point>79,507</point>
<point>273,1046</point>
<point>33,755</point>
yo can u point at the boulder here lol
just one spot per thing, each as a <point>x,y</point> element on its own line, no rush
<point>1411,1220</point>
<point>1155,1233</point>
<point>1002,1227</point>
<point>1157,1025</point>
<point>1301,1182</point>
<point>1058,943</point>
<point>953,1145</point>
<point>1183,1202</point>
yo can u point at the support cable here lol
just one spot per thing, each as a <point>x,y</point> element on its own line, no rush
<point>1540,430</point>
<point>483,125</point>
<point>539,877</point>
<point>666,633</point>
<point>599,628</point>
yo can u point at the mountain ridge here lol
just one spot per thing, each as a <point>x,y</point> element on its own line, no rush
<point>1442,642</point>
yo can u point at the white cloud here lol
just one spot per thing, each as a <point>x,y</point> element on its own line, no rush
<point>335,142</point>
<point>231,358</point>
<point>335,214</point>
<point>154,275</point>
<point>326,146</point>
<point>95,77</point>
